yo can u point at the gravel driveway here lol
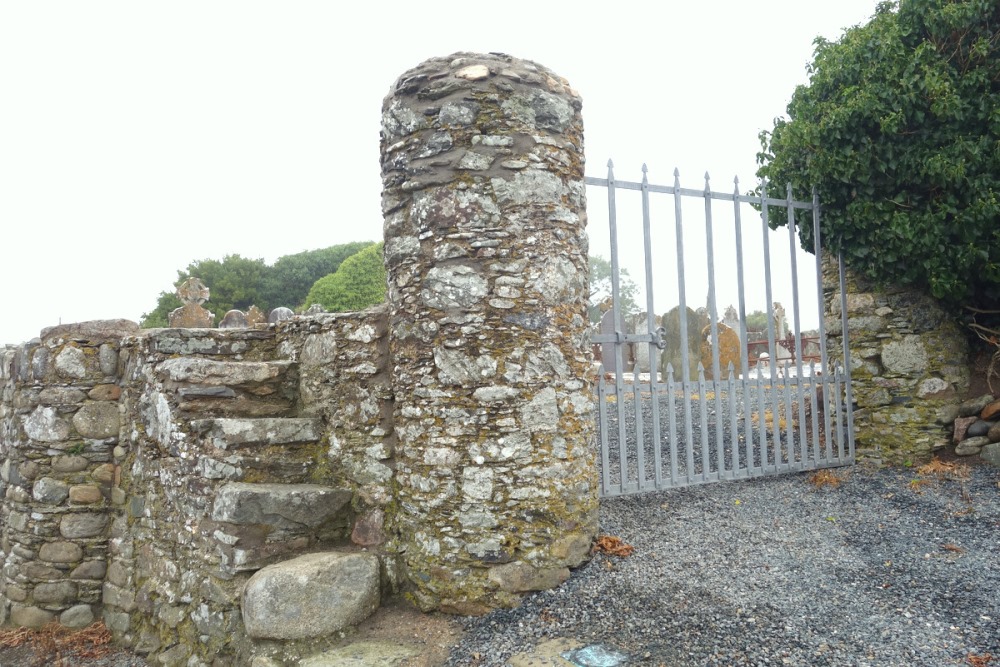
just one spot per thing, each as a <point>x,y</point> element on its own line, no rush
<point>891,567</point>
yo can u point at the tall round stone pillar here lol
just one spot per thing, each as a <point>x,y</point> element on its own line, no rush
<point>486,251</point>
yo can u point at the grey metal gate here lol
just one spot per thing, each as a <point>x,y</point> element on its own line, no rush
<point>781,412</point>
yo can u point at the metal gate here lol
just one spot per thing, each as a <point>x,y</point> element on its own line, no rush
<point>716,417</point>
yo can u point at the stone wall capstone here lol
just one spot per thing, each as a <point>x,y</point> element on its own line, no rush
<point>486,253</point>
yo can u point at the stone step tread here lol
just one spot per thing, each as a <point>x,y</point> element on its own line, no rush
<point>227,433</point>
<point>199,370</point>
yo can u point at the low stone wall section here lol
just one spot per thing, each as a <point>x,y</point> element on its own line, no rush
<point>61,424</point>
<point>909,368</point>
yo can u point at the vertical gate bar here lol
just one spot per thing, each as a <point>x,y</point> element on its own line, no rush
<point>796,317</point>
<point>706,456</point>
<point>616,315</point>
<point>771,347</point>
<point>602,422</point>
<point>672,425</point>
<point>713,313</point>
<point>838,406</point>
<point>848,396</point>
<point>640,445</point>
<point>762,423</point>
<point>654,366</point>
<point>789,420</point>
<point>815,396</point>
<point>820,393</point>
<point>734,435</point>
<point>682,313</point>
<point>744,349</point>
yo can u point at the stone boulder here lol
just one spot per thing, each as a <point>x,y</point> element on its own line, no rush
<point>311,596</point>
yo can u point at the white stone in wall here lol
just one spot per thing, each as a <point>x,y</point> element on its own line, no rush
<point>45,425</point>
<point>453,287</point>
<point>907,356</point>
<point>71,363</point>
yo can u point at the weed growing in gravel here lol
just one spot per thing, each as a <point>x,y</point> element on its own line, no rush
<point>769,420</point>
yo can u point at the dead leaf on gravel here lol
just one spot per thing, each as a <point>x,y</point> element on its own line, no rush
<point>53,642</point>
<point>953,547</point>
<point>822,478</point>
<point>979,660</point>
<point>940,468</point>
<point>612,546</point>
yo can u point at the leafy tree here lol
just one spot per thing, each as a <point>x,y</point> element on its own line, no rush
<point>600,289</point>
<point>237,282</point>
<point>899,130</point>
<point>360,282</point>
<point>289,280</point>
<point>757,321</point>
<point>233,282</point>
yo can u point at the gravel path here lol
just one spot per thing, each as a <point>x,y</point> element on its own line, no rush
<point>882,570</point>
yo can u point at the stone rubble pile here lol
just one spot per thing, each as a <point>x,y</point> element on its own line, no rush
<point>976,427</point>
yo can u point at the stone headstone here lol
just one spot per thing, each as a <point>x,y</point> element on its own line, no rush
<point>729,351</point>
<point>234,319</point>
<point>608,356</point>
<point>280,314</point>
<point>192,293</point>
<point>255,316</point>
<point>672,354</point>
<point>638,324</point>
<point>731,318</point>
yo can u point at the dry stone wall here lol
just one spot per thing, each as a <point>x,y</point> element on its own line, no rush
<point>486,253</point>
<point>60,425</point>
<point>240,495</point>
<point>910,368</point>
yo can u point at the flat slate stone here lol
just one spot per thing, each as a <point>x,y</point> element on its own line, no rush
<point>233,433</point>
<point>286,506</point>
<point>228,373</point>
<point>363,654</point>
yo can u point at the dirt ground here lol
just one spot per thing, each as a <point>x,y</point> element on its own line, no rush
<point>395,623</point>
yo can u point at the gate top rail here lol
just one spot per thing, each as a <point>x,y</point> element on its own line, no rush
<point>693,192</point>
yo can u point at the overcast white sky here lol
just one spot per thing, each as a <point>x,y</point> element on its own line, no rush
<point>136,137</point>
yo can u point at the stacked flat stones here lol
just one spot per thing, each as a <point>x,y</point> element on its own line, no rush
<point>486,253</point>
<point>976,427</point>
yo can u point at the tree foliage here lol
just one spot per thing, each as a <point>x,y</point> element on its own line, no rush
<point>234,282</point>
<point>757,320</point>
<point>899,131</point>
<point>360,282</point>
<point>238,282</point>
<point>289,280</point>
<point>600,289</point>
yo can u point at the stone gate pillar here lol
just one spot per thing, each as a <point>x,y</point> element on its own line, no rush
<point>486,252</point>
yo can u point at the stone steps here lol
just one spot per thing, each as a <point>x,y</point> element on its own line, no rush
<point>224,388</point>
